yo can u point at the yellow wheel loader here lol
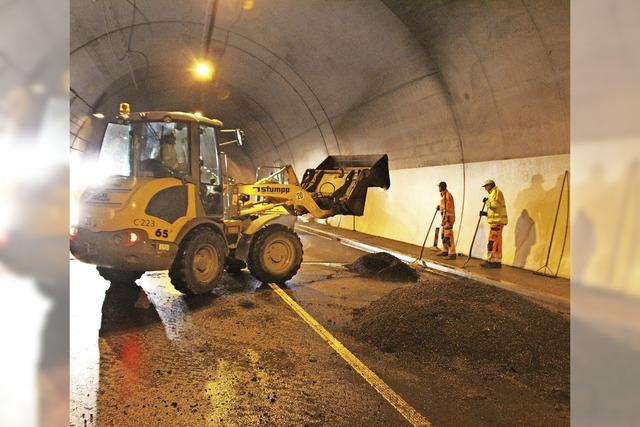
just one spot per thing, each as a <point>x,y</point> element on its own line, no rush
<point>166,203</point>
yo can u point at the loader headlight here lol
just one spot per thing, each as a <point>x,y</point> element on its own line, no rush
<point>132,238</point>
<point>127,238</point>
<point>73,232</point>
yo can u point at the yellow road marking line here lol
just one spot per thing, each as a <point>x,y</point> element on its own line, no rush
<point>406,410</point>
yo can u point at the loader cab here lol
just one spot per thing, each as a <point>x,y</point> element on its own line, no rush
<point>167,145</point>
<point>146,148</point>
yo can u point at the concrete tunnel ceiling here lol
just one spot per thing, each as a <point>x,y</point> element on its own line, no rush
<point>429,83</point>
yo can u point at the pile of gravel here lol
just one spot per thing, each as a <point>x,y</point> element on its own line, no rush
<point>383,266</point>
<point>462,319</point>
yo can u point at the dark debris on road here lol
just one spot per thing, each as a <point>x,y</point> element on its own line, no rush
<point>490,328</point>
<point>383,266</point>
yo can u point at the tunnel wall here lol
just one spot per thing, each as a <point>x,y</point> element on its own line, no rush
<point>531,187</point>
<point>489,99</point>
<point>604,205</point>
<point>605,155</point>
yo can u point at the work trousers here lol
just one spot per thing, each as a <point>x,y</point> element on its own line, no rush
<point>448,242</point>
<point>494,246</point>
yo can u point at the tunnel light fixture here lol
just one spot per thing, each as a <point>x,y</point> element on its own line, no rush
<point>203,70</point>
<point>98,115</point>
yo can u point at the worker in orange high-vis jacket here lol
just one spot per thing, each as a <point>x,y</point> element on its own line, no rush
<point>496,214</point>
<point>448,210</point>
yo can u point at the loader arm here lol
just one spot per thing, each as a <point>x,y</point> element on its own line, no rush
<point>338,186</point>
<point>291,197</point>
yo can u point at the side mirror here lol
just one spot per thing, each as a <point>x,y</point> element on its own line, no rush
<point>240,137</point>
<point>237,133</point>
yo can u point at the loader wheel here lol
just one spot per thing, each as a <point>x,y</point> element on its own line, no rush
<point>275,254</point>
<point>199,262</point>
<point>124,277</point>
<point>234,265</point>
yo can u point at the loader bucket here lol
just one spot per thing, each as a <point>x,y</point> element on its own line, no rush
<point>340,183</point>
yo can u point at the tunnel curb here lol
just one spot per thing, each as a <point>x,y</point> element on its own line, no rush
<point>560,303</point>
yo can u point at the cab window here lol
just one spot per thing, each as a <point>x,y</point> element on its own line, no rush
<point>210,180</point>
<point>164,148</point>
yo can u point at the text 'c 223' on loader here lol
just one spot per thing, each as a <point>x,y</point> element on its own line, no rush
<point>168,204</point>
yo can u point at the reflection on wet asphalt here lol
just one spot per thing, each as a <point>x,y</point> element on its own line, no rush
<point>238,356</point>
<point>147,355</point>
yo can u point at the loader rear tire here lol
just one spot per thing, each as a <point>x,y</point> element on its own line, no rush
<point>275,254</point>
<point>121,277</point>
<point>199,262</point>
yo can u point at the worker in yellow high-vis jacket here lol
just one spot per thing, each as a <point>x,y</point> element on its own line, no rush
<point>496,213</point>
<point>448,211</point>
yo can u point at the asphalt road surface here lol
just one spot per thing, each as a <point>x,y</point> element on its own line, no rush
<point>148,355</point>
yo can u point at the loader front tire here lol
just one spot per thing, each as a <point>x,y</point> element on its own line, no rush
<point>199,262</point>
<point>121,277</point>
<point>275,254</point>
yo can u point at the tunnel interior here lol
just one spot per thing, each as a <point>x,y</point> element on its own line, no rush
<point>256,317</point>
<point>455,91</point>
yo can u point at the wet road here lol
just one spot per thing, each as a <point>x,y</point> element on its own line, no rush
<point>237,357</point>
<point>241,357</point>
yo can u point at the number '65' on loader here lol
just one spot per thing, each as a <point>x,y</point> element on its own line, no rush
<point>168,204</point>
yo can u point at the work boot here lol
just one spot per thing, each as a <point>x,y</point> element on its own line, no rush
<point>452,257</point>
<point>443,254</point>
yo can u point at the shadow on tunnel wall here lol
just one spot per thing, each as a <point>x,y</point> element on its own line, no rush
<point>584,230</point>
<point>535,209</point>
<point>525,238</point>
<point>624,256</point>
<point>606,227</point>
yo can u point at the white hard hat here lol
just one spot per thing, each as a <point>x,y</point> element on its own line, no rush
<point>488,182</point>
